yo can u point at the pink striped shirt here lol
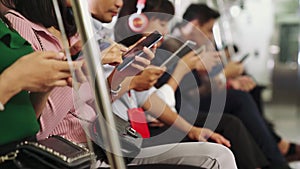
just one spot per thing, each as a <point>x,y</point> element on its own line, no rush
<point>55,118</point>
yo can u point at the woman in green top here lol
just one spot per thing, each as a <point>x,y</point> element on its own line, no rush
<point>21,71</point>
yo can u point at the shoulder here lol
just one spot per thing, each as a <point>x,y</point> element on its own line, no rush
<point>24,27</point>
<point>18,22</point>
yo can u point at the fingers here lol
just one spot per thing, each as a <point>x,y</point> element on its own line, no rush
<point>155,69</point>
<point>138,67</point>
<point>122,48</point>
<point>70,82</point>
<point>60,83</point>
<point>220,139</point>
<point>154,48</point>
<point>142,61</point>
<point>63,69</point>
<point>117,47</point>
<point>80,77</point>
<point>149,53</point>
<point>200,138</point>
<point>51,55</point>
<point>246,83</point>
<point>62,75</point>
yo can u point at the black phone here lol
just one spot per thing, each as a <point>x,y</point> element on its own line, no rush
<point>179,53</point>
<point>137,50</point>
<point>244,58</point>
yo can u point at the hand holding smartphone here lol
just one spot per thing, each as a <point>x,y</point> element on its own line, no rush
<point>137,50</point>
<point>179,53</point>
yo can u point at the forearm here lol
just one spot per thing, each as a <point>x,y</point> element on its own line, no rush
<point>159,109</point>
<point>114,80</point>
<point>176,78</point>
<point>39,101</point>
<point>126,86</point>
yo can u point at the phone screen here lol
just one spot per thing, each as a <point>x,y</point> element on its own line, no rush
<point>137,50</point>
<point>182,51</point>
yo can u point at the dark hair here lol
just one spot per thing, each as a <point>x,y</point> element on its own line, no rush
<point>42,12</point>
<point>161,9</point>
<point>201,12</point>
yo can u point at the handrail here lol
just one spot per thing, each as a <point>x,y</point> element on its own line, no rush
<point>92,53</point>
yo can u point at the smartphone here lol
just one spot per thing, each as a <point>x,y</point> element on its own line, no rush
<point>182,51</point>
<point>244,58</point>
<point>137,50</point>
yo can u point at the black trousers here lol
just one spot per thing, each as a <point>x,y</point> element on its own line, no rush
<point>247,153</point>
<point>241,105</point>
<point>256,95</point>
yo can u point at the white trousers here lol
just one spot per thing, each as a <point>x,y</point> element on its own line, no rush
<point>199,154</point>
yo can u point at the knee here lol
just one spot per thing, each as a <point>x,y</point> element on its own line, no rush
<point>232,121</point>
<point>224,157</point>
<point>221,155</point>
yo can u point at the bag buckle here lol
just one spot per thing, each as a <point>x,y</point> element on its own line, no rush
<point>9,156</point>
<point>132,132</point>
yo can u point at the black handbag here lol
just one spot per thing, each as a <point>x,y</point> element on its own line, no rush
<point>54,152</point>
<point>130,140</point>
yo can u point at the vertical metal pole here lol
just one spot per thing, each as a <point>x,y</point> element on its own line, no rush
<point>92,57</point>
<point>298,102</point>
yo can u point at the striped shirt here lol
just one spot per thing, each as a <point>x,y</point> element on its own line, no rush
<point>55,118</point>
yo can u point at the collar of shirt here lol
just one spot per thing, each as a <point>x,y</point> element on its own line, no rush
<point>36,27</point>
<point>98,29</point>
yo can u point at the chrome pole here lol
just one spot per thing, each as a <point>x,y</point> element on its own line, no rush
<point>92,57</point>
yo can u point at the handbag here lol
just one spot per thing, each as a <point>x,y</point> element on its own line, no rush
<point>55,152</point>
<point>130,140</point>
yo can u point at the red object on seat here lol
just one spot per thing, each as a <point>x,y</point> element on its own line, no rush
<point>138,121</point>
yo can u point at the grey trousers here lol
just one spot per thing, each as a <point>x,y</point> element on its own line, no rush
<point>199,154</point>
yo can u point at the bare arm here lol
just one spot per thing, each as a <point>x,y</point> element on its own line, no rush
<point>166,115</point>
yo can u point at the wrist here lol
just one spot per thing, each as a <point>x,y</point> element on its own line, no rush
<point>7,89</point>
<point>227,73</point>
<point>178,74</point>
<point>114,80</point>
<point>115,92</point>
<point>191,133</point>
<point>132,84</point>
